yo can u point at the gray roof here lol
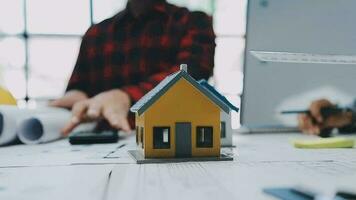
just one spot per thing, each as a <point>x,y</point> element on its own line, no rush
<point>146,101</point>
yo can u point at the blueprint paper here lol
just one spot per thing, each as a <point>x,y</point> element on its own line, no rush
<point>59,169</point>
<point>61,152</point>
<point>54,183</point>
<point>225,180</point>
<point>262,160</point>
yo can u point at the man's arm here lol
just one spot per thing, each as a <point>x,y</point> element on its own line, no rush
<point>196,49</point>
<point>69,99</point>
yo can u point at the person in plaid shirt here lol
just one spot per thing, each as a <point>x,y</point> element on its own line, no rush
<point>124,57</point>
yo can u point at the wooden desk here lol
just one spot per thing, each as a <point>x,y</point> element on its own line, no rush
<point>60,171</point>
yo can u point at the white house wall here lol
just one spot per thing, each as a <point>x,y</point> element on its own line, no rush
<point>224,117</point>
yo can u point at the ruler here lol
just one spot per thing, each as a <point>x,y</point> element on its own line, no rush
<point>289,57</point>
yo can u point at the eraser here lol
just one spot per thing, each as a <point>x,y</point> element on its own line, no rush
<point>320,143</point>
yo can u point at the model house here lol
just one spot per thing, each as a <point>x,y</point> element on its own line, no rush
<point>179,118</point>
<point>225,125</point>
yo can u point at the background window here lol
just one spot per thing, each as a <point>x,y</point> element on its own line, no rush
<point>46,77</point>
<point>12,62</point>
<point>58,16</point>
<point>11,16</point>
<point>40,39</point>
<point>103,9</point>
<point>204,136</point>
<point>161,138</point>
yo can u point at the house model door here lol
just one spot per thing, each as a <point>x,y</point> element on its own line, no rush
<point>183,139</point>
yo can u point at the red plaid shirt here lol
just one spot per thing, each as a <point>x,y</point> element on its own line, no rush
<point>135,54</point>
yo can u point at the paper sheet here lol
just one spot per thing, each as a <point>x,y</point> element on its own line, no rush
<point>289,57</point>
<point>60,153</point>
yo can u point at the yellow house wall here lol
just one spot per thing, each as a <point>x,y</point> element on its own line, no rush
<point>182,103</point>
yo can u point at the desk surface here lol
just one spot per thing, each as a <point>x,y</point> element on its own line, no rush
<point>99,172</point>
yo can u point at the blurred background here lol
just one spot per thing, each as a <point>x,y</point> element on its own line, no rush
<point>40,39</point>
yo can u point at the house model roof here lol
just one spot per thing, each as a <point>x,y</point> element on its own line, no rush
<point>205,84</point>
<point>146,101</point>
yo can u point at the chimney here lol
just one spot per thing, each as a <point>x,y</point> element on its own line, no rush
<point>184,67</point>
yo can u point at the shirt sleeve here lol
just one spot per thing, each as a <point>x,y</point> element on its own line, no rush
<point>196,49</point>
<point>79,80</point>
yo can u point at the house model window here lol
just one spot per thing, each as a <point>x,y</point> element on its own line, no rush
<point>161,138</point>
<point>204,136</point>
<point>223,129</point>
<point>142,137</point>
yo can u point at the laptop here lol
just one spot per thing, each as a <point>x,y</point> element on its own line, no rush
<point>294,56</point>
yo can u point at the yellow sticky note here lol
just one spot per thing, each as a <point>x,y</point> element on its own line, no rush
<point>336,142</point>
<point>6,98</point>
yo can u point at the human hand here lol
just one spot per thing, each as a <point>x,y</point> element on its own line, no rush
<point>112,105</point>
<point>69,99</point>
<point>314,123</point>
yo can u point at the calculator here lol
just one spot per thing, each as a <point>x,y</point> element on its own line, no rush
<point>93,137</point>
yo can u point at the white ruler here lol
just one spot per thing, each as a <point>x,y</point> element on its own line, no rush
<point>288,57</point>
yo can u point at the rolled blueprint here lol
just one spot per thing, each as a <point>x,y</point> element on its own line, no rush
<point>43,127</point>
<point>12,116</point>
<point>46,127</point>
<point>34,126</point>
<point>9,117</point>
